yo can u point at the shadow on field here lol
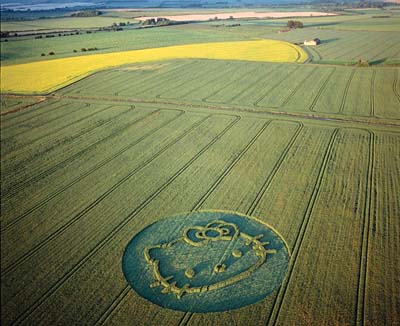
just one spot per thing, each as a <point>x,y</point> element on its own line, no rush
<point>377,61</point>
<point>329,40</point>
<point>321,24</point>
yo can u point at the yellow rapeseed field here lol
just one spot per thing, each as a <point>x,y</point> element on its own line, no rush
<point>45,76</point>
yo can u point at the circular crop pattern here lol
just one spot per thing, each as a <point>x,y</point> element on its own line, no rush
<point>206,261</point>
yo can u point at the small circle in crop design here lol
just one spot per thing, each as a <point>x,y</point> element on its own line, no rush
<point>206,261</point>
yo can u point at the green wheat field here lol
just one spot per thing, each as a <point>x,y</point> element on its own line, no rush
<point>311,149</point>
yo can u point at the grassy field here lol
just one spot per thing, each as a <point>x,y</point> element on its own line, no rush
<point>57,151</point>
<point>338,44</point>
<point>48,75</point>
<point>311,149</point>
<point>348,46</point>
<point>254,86</point>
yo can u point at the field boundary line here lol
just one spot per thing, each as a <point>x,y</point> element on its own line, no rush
<point>346,90</point>
<point>277,305</point>
<point>27,112</point>
<point>70,85</point>
<point>13,117</point>
<point>87,173</point>
<point>22,162</point>
<point>205,99</point>
<point>321,89</point>
<point>86,105</point>
<point>318,55</point>
<point>268,180</point>
<point>233,110</point>
<point>11,191</point>
<point>109,311</point>
<point>7,155</point>
<point>23,107</point>
<point>362,280</point>
<point>121,225</point>
<point>104,74</point>
<point>273,87</point>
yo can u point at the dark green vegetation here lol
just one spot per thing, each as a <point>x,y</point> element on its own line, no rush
<point>313,150</point>
<point>294,24</point>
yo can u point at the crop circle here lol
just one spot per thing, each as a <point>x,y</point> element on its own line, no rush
<point>206,261</point>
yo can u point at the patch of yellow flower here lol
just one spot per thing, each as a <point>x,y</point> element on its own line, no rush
<point>45,76</point>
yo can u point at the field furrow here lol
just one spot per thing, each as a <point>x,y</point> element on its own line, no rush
<point>18,141</point>
<point>152,84</point>
<point>237,83</point>
<point>51,119</point>
<point>180,199</point>
<point>17,162</point>
<point>18,190</point>
<point>172,89</point>
<point>261,87</point>
<point>331,97</point>
<point>324,277</point>
<point>382,299</point>
<point>119,79</point>
<point>282,208</point>
<point>212,95</point>
<point>358,99</point>
<point>278,95</point>
<point>193,87</point>
<point>94,195</point>
<point>138,190</point>
<point>361,51</point>
<point>213,87</point>
<point>91,82</point>
<point>386,101</point>
<point>312,87</point>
